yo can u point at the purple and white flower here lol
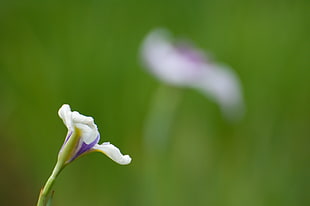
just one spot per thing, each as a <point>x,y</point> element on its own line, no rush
<point>83,137</point>
<point>180,64</point>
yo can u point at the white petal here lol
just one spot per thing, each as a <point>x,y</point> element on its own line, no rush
<point>113,152</point>
<point>86,125</point>
<point>164,60</point>
<point>221,84</point>
<point>65,114</point>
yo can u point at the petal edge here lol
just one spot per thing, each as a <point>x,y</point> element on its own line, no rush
<point>113,153</point>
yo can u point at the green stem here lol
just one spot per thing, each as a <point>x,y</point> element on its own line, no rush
<point>157,132</point>
<point>49,184</point>
<point>63,158</point>
<point>160,119</point>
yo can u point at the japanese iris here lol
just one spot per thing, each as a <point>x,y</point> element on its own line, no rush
<point>180,64</point>
<point>83,138</point>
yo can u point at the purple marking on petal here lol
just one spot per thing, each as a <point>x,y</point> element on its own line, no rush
<point>85,147</point>
<point>68,137</point>
<point>190,54</point>
<point>66,140</point>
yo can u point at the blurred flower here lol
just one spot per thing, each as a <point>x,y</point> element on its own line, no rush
<point>181,64</point>
<point>83,137</point>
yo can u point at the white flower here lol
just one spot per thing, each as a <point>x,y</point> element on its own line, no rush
<point>83,137</point>
<point>179,64</point>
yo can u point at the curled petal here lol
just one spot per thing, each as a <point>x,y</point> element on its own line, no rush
<point>112,152</point>
<point>74,121</point>
<point>65,114</point>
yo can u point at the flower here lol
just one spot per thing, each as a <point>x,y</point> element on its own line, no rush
<point>182,65</point>
<point>83,138</point>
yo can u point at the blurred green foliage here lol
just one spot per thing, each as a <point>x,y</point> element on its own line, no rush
<point>85,53</point>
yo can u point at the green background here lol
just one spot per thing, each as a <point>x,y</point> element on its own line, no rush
<point>86,53</point>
